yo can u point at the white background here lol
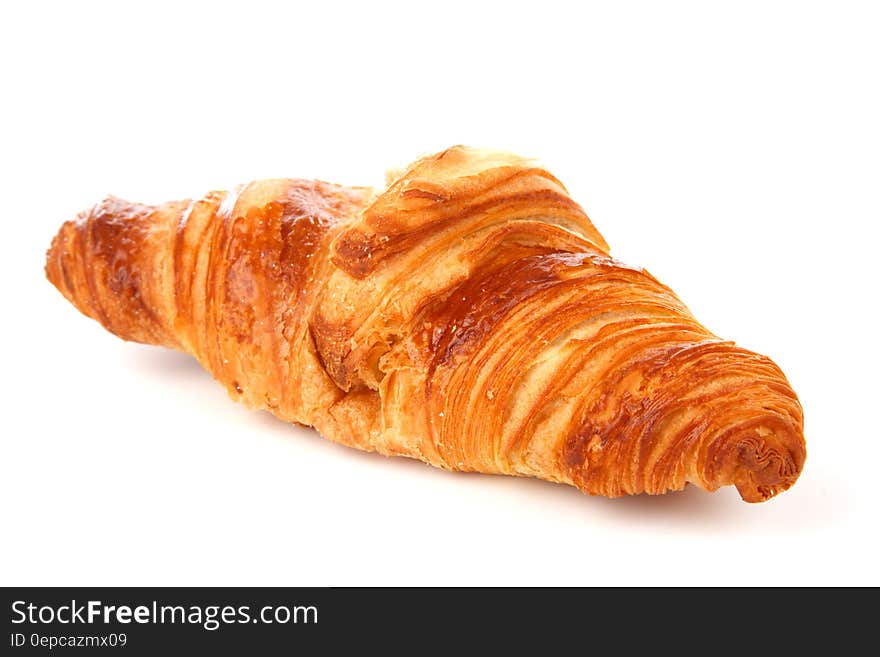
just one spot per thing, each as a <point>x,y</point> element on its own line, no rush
<point>731,148</point>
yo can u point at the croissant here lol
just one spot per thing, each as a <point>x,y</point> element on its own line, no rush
<point>469,316</point>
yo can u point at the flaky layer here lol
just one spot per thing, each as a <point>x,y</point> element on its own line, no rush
<point>468,316</point>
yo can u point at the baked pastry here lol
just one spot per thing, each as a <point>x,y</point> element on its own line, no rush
<point>469,315</point>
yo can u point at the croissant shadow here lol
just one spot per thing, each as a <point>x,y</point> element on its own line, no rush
<point>689,508</point>
<point>165,364</point>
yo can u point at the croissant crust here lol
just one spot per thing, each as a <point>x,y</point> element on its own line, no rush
<point>469,315</point>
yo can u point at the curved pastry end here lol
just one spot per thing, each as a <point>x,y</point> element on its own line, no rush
<point>765,469</point>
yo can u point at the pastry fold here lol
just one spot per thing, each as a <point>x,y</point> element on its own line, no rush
<point>469,315</point>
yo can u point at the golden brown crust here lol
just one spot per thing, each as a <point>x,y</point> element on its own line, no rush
<point>468,316</point>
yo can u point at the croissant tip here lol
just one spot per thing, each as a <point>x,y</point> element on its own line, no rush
<point>766,470</point>
<point>53,266</point>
